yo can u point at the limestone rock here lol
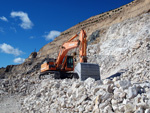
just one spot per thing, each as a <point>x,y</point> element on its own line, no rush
<point>147,111</point>
<point>129,108</point>
<point>107,81</point>
<point>132,92</point>
<point>124,84</point>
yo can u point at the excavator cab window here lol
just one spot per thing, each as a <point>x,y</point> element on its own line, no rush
<point>69,62</point>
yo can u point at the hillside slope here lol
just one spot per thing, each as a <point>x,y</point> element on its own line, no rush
<point>133,9</point>
<point>124,45</point>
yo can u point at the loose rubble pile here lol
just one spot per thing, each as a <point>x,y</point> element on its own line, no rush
<point>106,96</point>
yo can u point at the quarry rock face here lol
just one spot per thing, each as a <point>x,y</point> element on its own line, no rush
<point>125,46</point>
<point>118,40</point>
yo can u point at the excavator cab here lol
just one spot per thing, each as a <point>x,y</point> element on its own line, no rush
<point>68,63</point>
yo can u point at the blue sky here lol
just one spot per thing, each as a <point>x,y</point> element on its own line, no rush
<point>26,25</point>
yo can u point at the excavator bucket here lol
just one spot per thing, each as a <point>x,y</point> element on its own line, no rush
<point>86,70</point>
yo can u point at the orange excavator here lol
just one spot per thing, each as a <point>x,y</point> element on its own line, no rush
<point>64,67</point>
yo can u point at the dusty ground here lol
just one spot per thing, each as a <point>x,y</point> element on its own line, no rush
<point>10,104</point>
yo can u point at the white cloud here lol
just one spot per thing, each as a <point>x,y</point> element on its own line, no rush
<point>52,35</point>
<point>26,22</point>
<point>31,37</point>
<point>3,19</point>
<point>10,50</point>
<point>19,60</point>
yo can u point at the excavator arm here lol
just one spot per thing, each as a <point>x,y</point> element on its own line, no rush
<point>64,50</point>
<point>70,44</point>
<point>83,46</point>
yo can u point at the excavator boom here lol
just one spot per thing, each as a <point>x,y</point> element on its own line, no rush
<point>70,44</point>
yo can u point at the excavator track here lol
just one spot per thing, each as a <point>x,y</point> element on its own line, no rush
<point>50,74</point>
<point>58,75</point>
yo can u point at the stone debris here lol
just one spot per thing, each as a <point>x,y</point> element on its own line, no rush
<point>72,95</point>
